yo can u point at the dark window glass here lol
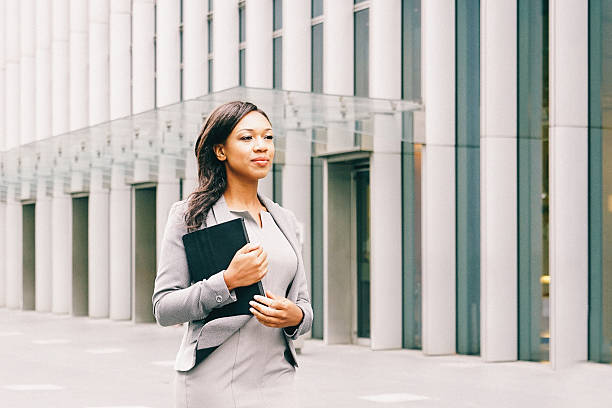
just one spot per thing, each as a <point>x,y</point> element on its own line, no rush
<point>467,161</point>
<point>316,215</point>
<point>242,67</point>
<point>210,5</point>
<point>241,25</point>
<point>359,1</point>
<point>277,77</point>
<point>533,287</point>
<point>362,52</point>
<point>600,181</point>
<point>411,50</point>
<point>317,8</point>
<point>277,20</point>
<point>317,58</point>
<point>210,75</point>
<point>210,37</point>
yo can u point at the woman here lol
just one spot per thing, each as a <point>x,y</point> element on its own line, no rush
<point>237,361</point>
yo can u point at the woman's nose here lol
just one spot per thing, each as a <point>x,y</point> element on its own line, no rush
<point>260,143</point>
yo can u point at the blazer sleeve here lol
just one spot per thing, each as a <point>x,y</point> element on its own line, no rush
<point>303,297</point>
<point>175,299</point>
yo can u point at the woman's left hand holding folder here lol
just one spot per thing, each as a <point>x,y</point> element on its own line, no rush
<point>276,311</point>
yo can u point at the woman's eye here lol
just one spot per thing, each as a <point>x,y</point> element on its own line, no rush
<point>269,137</point>
<point>246,137</point>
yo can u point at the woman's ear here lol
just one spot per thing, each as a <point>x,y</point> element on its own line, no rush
<point>218,149</point>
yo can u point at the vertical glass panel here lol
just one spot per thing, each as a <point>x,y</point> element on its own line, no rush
<point>277,73</point>
<point>411,50</point>
<point>210,5</point>
<point>533,279</point>
<point>467,161</point>
<point>317,58</point>
<point>362,183</point>
<point>241,25</point>
<point>411,237</point>
<point>210,37</point>
<point>600,181</point>
<point>80,253</point>
<point>277,19</point>
<point>242,66</point>
<point>316,216</point>
<point>145,264</point>
<point>277,183</point>
<point>358,1</point>
<point>317,8</point>
<point>210,75</point>
<point>362,52</point>
<point>28,256</point>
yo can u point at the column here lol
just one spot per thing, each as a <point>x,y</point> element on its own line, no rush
<point>338,47</point>
<point>258,14</point>
<point>99,104</point>
<point>168,192</point>
<point>498,200</point>
<point>168,48</point>
<point>569,215</point>
<point>43,256</point>
<point>143,56</point>
<point>120,81</point>
<point>386,179</point>
<point>60,109</point>
<point>3,233</point>
<point>27,22</point>
<point>14,254</point>
<point>79,72</point>
<point>439,178</point>
<point>225,38</point>
<point>43,65</point>
<point>195,55</point>
<point>2,89</point>
<point>120,246</point>
<point>13,52</point>
<point>61,248</point>
<point>98,245</point>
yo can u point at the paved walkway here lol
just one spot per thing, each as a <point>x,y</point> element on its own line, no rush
<point>59,361</point>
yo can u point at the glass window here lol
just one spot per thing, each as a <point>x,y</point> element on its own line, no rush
<point>241,25</point>
<point>359,1</point>
<point>316,216</point>
<point>242,67</point>
<point>277,20</point>
<point>317,8</point>
<point>210,5</point>
<point>210,36</point>
<point>600,181</point>
<point>411,50</point>
<point>467,161</point>
<point>533,270</point>
<point>277,73</point>
<point>317,58</point>
<point>362,53</point>
<point>210,75</point>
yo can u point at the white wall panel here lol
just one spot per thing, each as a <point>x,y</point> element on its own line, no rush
<point>99,104</point>
<point>195,54</point>
<point>60,67</point>
<point>79,70</point>
<point>43,63</point>
<point>13,54</point>
<point>27,75</point>
<point>258,53</point>
<point>338,72</point>
<point>225,47</point>
<point>120,55</point>
<point>168,57</point>
<point>143,56</point>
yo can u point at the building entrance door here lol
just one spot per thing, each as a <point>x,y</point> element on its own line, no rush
<point>361,253</point>
<point>145,254</point>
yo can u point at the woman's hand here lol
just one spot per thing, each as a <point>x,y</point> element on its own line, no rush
<point>249,265</point>
<point>276,311</point>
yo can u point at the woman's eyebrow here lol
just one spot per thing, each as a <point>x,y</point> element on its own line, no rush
<point>253,130</point>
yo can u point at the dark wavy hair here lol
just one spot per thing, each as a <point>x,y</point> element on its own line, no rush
<point>211,171</point>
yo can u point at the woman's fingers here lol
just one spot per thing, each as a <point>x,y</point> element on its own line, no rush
<point>266,310</point>
<point>265,320</point>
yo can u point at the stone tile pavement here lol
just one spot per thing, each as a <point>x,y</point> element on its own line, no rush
<point>49,360</point>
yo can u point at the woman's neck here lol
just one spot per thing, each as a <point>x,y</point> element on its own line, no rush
<point>240,195</point>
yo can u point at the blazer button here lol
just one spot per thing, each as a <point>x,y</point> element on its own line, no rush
<point>219,298</point>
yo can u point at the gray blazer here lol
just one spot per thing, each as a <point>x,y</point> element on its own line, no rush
<point>176,300</point>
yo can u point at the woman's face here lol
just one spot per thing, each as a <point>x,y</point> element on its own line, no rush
<point>249,150</point>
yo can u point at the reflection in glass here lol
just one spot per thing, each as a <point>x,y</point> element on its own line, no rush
<point>533,279</point>
<point>277,62</point>
<point>600,181</point>
<point>411,50</point>
<point>317,8</point>
<point>317,58</point>
<point>362,53</point>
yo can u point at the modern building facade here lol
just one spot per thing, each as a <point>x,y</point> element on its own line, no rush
<point>450,160</point>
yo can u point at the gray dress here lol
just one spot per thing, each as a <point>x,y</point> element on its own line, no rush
<point>249,369</point>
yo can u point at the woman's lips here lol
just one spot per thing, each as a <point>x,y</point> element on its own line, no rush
<point>261,162</point>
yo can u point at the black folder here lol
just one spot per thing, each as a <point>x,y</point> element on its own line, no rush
<point>210,250</point>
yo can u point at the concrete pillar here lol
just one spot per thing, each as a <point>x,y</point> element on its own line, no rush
<point>168,192</point>
<point>338,63</point>
<point>438,223</point>
<point>43,256</point>
<point>2,82</point>
<point>60,108</point>
<point>143,55</point>
<point>386,179</point>
<point>79,72</point>
<point>3,269</point>
<point>258,31</point>
<point>195,53</point>
<point>27,21</point>
<point>13,53</point>
<point>168,48</point>
<point>498,200</point>
<point>225,38</point>
<point>43,63</point>
<point>99,103</point>
<point>120,54</point>
<point>190,182</point>
<point>14,250</point>
<point>120,246</point>
<point>569,209</point>
<point>61,248</point>
<point>98,245</point>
